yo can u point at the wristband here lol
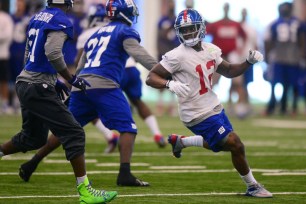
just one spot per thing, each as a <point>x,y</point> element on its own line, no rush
<point>167,84</point>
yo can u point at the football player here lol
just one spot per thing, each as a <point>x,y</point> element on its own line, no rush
<point>38,91</point>
<point>191,66</point>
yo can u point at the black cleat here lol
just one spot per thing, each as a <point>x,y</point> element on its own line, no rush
<point>26,170</point>
<point>131,180</point>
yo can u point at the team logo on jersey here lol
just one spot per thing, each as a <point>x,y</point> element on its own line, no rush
<point>221,130</point>
<point>134,126</point>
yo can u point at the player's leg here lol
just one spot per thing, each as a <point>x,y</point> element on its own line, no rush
<point>110,136</point>
<point>26,169</point>
<point>68,129</point>
<point>115,114</point>
<point>132,86</point>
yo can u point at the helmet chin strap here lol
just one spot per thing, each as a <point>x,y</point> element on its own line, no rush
<point>126,18</point>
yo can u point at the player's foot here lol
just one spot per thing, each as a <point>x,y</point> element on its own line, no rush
<point>257,190</point>
<point>112,144</point>
<point>177,145</point>
<point>26,170</point>
<point>160,141</point>
<point>130,180</point>
<point>91,195</point>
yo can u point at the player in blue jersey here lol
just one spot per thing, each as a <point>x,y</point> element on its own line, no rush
<point>281,40</point>
<point>103,64</point>
<point>38,91</point>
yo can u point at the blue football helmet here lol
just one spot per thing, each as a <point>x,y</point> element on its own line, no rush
<point>96,14</point>
<point>190,27</point>
<point>123,10</point>
<point>69,3</point>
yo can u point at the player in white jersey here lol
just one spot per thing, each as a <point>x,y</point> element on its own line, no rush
<point>191,66</point>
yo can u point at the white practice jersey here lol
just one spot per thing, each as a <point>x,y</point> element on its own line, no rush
<point>196,69</point>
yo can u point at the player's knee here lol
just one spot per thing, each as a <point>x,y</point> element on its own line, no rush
<point>235,143</point>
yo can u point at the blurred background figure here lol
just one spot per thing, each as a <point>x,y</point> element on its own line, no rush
<point>6,35</point>
<point>166,41</point>
<point>225,33</point>
<point>17,49</point>
<point>301,8</point>
<point>243,107</point>
<point>33,7</point>
<point>281,44</point>
<point>189,4</point>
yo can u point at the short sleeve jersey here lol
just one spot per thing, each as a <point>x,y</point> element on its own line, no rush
<point>196,69</point>
<point>49,19</point>
<point>105,54</point>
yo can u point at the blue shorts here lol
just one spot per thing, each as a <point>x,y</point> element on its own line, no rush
<point>214,129</point>
<point>131,83</point>
<point>110,105</point>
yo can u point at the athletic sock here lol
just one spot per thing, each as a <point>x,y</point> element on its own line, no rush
<point>152,124</point>
<point>108,134</point>
<point>81,179</point>
<point>249,179</point>
<point>192,141</point>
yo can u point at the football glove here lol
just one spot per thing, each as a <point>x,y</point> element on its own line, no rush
<point>178,88</point>
<point>61,89</point>
<point>254,57</point>
<point>79,83</point>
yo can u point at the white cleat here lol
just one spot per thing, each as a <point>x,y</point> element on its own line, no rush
<point>257,190</point>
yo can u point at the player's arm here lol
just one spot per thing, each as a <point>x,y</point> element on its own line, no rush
<point>157,77</point>
<point>231,70</point>
<point>139,53</point>
<point>53,50</point>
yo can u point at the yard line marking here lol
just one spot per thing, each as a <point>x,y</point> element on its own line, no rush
<point>285,174</point>
<point>177,167</point>
<point>279,123</point>
<point>160,171</point>
<point>62,161</point>
<point>151,195</point>
<point>117,164</point>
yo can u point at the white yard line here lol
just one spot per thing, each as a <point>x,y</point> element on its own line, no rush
<point>280,123</point>
<point>150,195</point>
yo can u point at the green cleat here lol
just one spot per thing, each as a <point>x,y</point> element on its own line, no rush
<point>89,195</point>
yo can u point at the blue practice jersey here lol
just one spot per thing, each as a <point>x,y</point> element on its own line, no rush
<point>50,19</point>
<point>105,53</point>
<point>284,35</point>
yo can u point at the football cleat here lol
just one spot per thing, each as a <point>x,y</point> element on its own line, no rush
<point>130,180</point>
<point>160,141</point>
<point>26,170</point>
<point>112,144</point>
<point>177,145</point>
<point>91,195</point>
<point>257,190</point>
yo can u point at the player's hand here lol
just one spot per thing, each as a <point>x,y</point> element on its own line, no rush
<point>61,89</point>
<point>254,57</point>
<point>178,88</point>
<point>79,83</point>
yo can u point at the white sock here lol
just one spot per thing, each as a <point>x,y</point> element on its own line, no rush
<point>81,179</point>
<point>195,141</point>
<point>248,179</point>
<point>152,124</point>
<point>108,134</point>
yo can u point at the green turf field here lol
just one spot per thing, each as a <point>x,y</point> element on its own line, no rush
<point>275,146</point>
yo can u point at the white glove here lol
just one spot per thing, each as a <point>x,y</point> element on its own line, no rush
<point>254,57</point>
<point>178,88</point>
